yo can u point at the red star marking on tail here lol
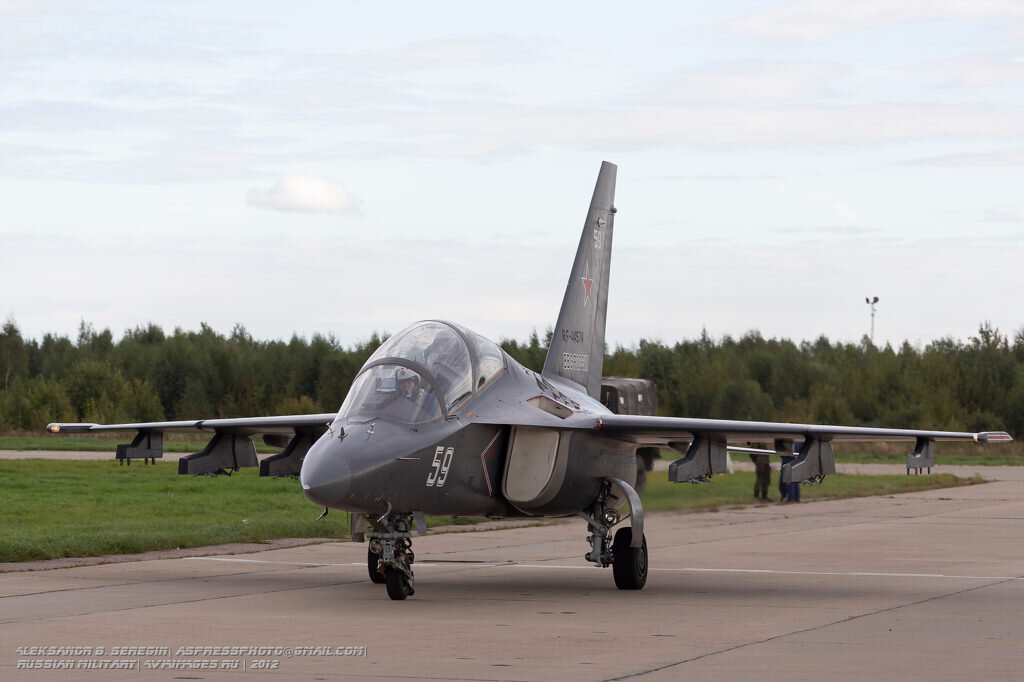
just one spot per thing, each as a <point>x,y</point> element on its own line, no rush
<point>587,282</point>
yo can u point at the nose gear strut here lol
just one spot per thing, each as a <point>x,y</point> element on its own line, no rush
<point>390,555</point>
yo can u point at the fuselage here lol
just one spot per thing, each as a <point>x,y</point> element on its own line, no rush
<point>518,444</point>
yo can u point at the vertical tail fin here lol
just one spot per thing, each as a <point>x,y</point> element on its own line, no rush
<point>577,345</point>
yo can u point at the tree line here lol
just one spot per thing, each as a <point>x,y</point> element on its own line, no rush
<point>149,375</point>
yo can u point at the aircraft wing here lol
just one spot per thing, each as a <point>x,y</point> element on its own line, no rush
<point>231,446</point>
<point>704,443</point>
<point>283,425</point>
<point>663,430</point>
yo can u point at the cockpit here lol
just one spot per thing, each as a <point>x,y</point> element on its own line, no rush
<point>422,373</point>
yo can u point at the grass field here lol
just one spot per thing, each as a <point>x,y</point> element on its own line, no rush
<point>981,454</point>
<point>995,454</point>
<point>737,489</point>
<point>53,508</point>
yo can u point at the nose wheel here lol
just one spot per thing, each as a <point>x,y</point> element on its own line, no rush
<point>373,564</point>
<point>389,556</point>
<point>399,584</point>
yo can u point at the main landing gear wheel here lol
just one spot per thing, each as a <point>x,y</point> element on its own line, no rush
<point>398,584</point>
<point>372,559</point>
<point>630,566</point>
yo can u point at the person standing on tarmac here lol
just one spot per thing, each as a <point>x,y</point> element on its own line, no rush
<point>762,476</point>
<point>790,491</point>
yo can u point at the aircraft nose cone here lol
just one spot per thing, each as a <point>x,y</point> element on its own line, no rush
<point>325,474</point>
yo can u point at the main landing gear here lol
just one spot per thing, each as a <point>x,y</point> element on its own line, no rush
<point>389,555</point>
<point>626,553</point>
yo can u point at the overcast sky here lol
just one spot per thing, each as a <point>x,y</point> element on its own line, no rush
<point>351,167</point>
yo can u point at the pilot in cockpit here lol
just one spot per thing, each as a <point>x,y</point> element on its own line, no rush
<point>407,383</point>
<point>404,397</point>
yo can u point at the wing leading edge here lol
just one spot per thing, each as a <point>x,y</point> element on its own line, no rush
<point>663,430</point>
<point>280,425</point>
<point>231,446</point>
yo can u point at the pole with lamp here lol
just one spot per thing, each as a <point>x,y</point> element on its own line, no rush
<point>871,302</point>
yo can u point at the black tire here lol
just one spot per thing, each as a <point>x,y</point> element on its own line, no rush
<point>371,566</point>
<point>630,566</point>
<point>398,585</point>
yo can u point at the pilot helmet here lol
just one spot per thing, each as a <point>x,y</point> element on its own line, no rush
<point>406,381</point>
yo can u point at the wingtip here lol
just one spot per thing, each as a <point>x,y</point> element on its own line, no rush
<point>58,427</point>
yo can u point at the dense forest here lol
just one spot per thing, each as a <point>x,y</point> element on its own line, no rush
<point>150,375</point>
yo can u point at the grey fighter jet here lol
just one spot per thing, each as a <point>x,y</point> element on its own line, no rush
<point>441,421</point>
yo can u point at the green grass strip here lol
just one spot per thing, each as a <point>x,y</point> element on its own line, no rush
<point>52,508</point>
<point>731,490</point>
<point>77,508</point>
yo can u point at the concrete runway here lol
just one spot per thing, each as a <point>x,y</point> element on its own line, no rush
<point>923,586</point>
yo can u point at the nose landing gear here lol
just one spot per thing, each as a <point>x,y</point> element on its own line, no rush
<point>390,556</point>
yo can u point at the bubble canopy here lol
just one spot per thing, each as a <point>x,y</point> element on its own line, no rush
<point>422,373</point>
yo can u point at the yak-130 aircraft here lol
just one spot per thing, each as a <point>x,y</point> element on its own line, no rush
<point>441,421</point>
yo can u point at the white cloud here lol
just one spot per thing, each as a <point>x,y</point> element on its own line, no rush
<point>814,20</point>
<point>751,82</point>
<point>982,70</point>
<point>431,54</point>
<point>707,126</point>
<point>1009,157</point>
<point>303,194</point>
<point>848,213</point>
<point>834,230</point>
